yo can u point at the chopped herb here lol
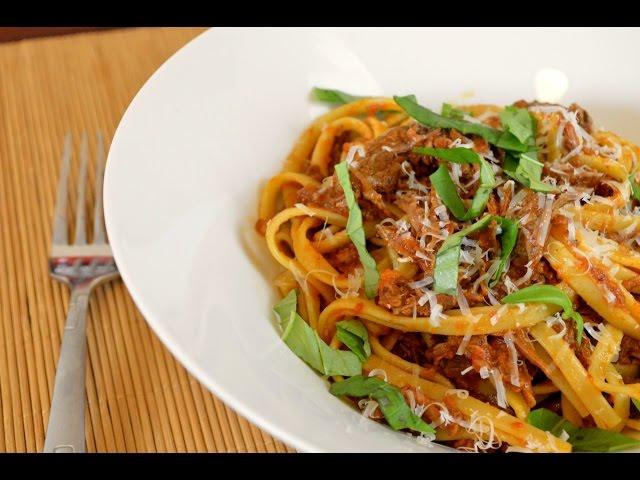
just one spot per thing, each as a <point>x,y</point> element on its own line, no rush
<point>285,307</point>
<point>550,422</point>
<point>450,111</point>
<point>305,342</point>
<point>527,170</point>
<point>338,97</point>
<point>355,336</point>
<point>446,189</point>
<point>520,123</point>
<point>635,187</point>
<point>582,439</point>
<point>428,118</point>
<point>448,258</point>
<point>636,402</point>
<point>392,403</point>
<point>333,96</point>
<point>508,239</point>
<point>548,294</point>
<point>355,231</point>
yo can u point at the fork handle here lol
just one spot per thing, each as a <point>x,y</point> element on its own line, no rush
<point>65,432</point>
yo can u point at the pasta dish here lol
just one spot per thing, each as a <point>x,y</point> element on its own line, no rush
<point>469,277</point>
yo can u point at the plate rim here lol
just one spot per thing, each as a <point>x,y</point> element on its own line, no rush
<point>230,400</point>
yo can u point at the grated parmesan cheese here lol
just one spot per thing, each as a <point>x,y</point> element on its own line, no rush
<point>515,374</point>
<point>501,393</point>
<point>352,153</point>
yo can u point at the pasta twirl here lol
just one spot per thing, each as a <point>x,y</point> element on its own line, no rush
<point>467,258</point>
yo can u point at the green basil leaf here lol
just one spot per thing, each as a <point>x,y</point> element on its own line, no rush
<point>520,123</point>
<point>548,294</point>
<point>446,190</point>
<point>306,344</point>
<point>448,258</point>
<point>508,239</point>
<point>582,439</point>
<point>635,187</point>
<point>636,402</point>
<point>527,170</point>
<point>389,398</point>
<point>597,440</point>
<point>429,118</point>
<point>551,422</point>
<point>336,362</point>
<point>358,386</point>
<point>445,187</point>
<point>355,336</point>
<point>333,96</point>
<point>355,231</point>
<point>450,111</point>
<point>329,95</point>
<point>285,307</point>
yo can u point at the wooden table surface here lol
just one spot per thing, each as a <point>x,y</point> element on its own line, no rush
<point>139,398</point>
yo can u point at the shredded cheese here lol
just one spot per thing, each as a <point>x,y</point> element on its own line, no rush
<point>515,374</point>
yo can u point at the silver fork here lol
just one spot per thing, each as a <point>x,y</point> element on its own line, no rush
<point>82,266</point>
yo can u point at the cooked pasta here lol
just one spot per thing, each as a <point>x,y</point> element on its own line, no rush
<point>471,277</point>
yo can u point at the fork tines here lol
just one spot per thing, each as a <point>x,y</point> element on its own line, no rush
<point>60,242</point>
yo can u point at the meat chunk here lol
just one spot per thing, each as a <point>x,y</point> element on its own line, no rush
<point>570,136</point>
<point>344,259</point>
<point>411,347</point>
<point>329,196</point>
<point>583,117</point>
<point>395,294</point>
<point>482,352</point>
<point>629,351</point>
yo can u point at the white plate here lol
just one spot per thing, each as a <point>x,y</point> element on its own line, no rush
<point>217,120</point>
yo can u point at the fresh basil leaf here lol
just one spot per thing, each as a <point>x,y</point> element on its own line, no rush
<point>520,123</point>
<point>548,294</point>
<point>355,336</point>
<point>551,422</point>
<point>389,398</point>
<point>508,239</point>
<point>446,189</point>
<point>333,96</point>
<point>597,440</point>
<point>330,95</point>
<point>636,402</point>
<point>358,386</point>
<point>455,155</point>
<point>355,231</point>
<point>306,344</point>
<point>336,362</point>
<point>429,118</point>
<point>527,170</point>
<point>635,187</point>
<point>285,307</point>
<point>450,111</point>
<point>582,439</point>
<point>448,258</point>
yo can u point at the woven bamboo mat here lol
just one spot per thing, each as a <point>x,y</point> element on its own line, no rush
<point>139,399</point>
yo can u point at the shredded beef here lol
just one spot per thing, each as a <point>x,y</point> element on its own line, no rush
<point>395,294</point>
<point>410,347</point>
<point>629,351</point>
<point>344,259</point>
<point>329,195</point>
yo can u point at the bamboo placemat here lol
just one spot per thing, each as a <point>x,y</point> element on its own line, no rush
<point>139,399</point>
